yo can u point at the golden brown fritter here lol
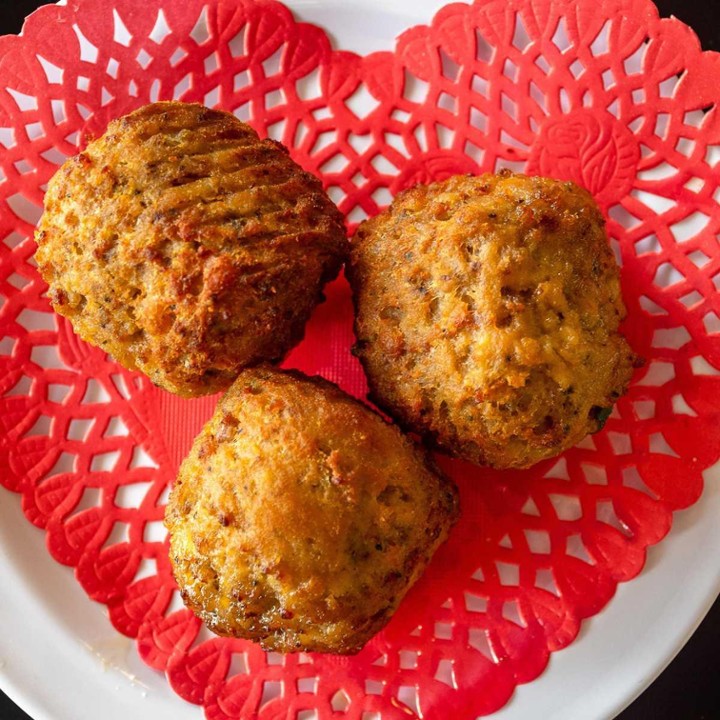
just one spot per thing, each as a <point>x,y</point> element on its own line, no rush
<point>186,247</point>
<point>487,312</point>
<point>301,518</point>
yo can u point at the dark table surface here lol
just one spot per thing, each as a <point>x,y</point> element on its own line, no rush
<point>689,689</point>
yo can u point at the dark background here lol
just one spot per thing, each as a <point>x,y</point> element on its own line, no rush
<point>690,687</point>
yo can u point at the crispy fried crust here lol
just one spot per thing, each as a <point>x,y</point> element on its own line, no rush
<point>487,312</point>
<point>301,518</point>
<point>187,247</point>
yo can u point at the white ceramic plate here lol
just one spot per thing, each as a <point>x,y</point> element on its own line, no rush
<point>60,659</point>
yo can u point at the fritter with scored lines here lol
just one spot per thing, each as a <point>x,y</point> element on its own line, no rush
<point>186,247</point>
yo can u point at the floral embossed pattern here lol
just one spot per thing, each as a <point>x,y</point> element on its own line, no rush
<point>558,87</point>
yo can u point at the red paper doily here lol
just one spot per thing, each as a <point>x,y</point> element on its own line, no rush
<point>599,91</point>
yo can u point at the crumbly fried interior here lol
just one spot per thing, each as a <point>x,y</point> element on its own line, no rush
<point>487,313</point>
<point>300,517</point>
<point>186,247</point>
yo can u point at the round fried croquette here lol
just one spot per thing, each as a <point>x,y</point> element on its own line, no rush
<point>301,518</point>
<point>487,313</point>
<point>186,247</point>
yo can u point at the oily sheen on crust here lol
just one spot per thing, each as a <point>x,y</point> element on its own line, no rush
<point>301,518</point>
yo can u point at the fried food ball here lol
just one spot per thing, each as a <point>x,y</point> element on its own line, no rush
<point>487,312</point>
<point>301,518</point>
<point>186,247</point>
